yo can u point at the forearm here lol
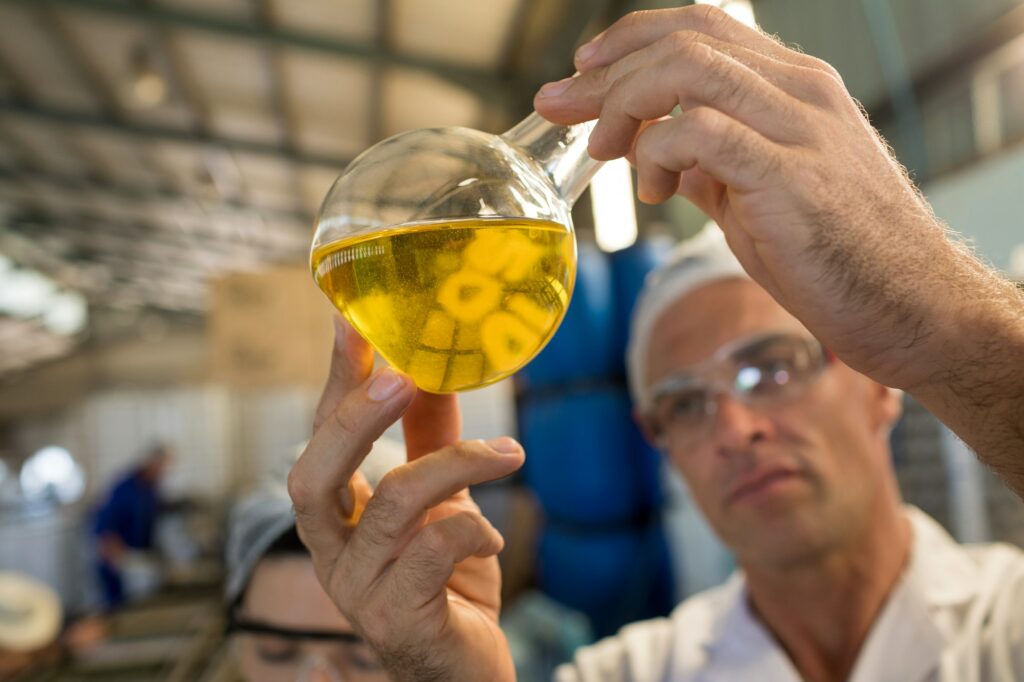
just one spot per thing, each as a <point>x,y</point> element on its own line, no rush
<point>956,341</point>
<point>977,384</point>
<point>769,143</point>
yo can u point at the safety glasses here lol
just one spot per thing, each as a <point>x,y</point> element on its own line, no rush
<point>764,370</point>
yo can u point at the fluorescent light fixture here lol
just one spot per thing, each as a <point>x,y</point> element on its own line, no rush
<point>66,313</point>
<point>52,472</point>
<point>147,83</point>
<point>27,294</point>
<point>611,196</point>
<point>740,10</point>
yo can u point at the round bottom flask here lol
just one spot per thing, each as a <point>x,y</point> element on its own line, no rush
<point>452,251</point>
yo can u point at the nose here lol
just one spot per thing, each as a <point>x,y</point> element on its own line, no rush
<point>738,425</point>
<point>318,669</point>
<point>321,676</point>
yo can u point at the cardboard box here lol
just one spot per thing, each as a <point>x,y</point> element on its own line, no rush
<point>270,328</point>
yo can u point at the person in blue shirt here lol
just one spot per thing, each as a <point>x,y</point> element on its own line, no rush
<point>126,520</point>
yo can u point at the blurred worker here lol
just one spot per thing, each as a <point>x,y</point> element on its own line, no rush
<point>776,412</point>
<point>125,524</point>
<point>284,625</point>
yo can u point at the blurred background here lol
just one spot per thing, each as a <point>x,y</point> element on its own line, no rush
<point>161,165</point>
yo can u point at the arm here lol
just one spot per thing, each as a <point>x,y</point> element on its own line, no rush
<point>411,564</point>
<point>111,548</point>
<point>772,147</point>
<point>109,544</point>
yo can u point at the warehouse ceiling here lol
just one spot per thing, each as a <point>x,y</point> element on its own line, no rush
<point>147,145</point>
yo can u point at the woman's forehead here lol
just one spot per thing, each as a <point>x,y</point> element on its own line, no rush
<point>285,592</point>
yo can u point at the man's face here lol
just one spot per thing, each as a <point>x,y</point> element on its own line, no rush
<point>784,483</point>
<point>156,465</point>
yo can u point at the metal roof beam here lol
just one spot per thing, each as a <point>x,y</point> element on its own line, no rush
<point>150,132</point>
<point>115,190</point>
<point>283,111</point>
<point>384,42</point>
<point>488,84</point>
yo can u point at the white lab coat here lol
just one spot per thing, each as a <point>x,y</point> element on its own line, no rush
<point>956,615</point>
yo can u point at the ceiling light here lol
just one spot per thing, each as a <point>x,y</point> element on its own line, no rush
<point>66,314</point>
<point>52,473</point>
<point>611,196</point>
<point>740,10</point>
<point>148,84</point>
<point>30,295</point>
<point>24,293</point>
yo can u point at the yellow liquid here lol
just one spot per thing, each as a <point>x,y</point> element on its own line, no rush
<point>455,304</point>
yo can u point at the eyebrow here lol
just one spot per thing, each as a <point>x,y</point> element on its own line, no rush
<point>239,624</point>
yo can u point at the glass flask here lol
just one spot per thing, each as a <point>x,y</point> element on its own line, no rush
<point>452,251</point>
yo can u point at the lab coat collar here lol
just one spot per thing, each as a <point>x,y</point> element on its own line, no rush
<point>938,574</point>
<point>940,569</point>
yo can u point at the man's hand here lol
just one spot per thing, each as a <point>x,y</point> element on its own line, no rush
<point>112,549</point>
<point>768,142</point>
<point>412,564</point>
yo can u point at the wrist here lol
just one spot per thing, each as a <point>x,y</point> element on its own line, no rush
<point>481,658</point>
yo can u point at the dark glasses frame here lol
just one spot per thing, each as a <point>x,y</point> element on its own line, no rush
<point>239,624</point>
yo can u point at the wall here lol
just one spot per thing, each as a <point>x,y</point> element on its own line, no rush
<point>985,202</point>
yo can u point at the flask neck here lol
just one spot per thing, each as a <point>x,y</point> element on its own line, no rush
<point>560,150</point>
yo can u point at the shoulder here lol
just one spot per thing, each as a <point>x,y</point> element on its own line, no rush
<point>128,483</point>
<point>647,650</point>
<point>976,595</point>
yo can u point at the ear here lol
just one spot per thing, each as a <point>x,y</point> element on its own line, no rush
<point>889,406</point>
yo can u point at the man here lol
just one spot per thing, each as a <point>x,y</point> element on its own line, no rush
<point>772,147</point>
<point>126,520</point>
<point>785,450</point>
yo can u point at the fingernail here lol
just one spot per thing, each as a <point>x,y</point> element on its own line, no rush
<point>386,384</point>
<point>557,88</point>
<point>504,445</point>
<point>588,50</point>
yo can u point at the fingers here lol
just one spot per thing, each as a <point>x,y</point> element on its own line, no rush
<point>724,149</point>
<point>708,78</point>
<point>685,70</point>
<point>351,362</point>
<point>320,479</point>
<point>432,422</point>
<point>800,82</point>
<point>403,497</point>
<point>423,570</point>
<point>354,502</point>
<point>639,29</point>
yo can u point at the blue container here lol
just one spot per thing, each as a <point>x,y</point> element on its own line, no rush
<point>629,270</point>
<point>585,458</point>
<point>584,345</point>
<point>615,577</point>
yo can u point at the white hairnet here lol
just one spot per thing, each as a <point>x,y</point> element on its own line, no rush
<point>263,516</point>
<point>697,261</point>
